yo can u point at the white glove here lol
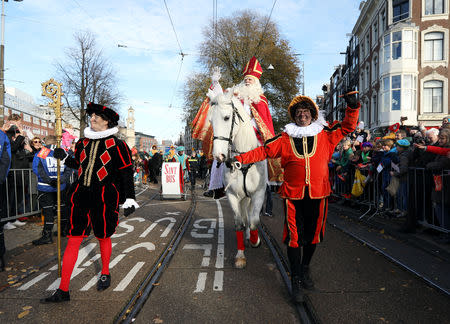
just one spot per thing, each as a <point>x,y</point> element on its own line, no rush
<point>216,74</point>
<point>129,203</point>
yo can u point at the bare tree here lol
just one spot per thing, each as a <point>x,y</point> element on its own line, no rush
<point>86,76</point>
<point>230,46</point>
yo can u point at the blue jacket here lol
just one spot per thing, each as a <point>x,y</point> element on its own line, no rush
<point>44,166</point>
<point>5,156</point>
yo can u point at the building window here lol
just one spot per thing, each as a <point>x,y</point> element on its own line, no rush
<point>434,46</point>
<point>367,77</point>
<point>375,32</point>
<point>374,111</point>
<point>27,118</point>
<point>382,21</point>
<point>403,45</point>
<point>367,47</point>
<point>433,96</point>
<point>387,48</point>
<point>400,9</point>
<point>375,69</point>
<point>396,92</point>
<point>399,92</point>
<point>362,81</point>
<point>396,45</point>
<point>434,7</point>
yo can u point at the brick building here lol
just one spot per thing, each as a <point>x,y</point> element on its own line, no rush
<point>403,61</point>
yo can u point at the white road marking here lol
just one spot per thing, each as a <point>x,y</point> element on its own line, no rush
<point>220,243</point>
<point>129,228</point>
<point>129,277</point>
<point>147,245</point>
<point>172,213</point>
<point>218,281</point>
<point>94,279</point>
<point>201,282</point>
<point>197,227</point>
<point>206,254</point>
<point>168,203</point>
<point>166,231</point>
<point>34,281</point>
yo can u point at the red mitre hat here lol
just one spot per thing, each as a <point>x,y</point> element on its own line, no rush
<point>253,68</point>
<point>394,128</point>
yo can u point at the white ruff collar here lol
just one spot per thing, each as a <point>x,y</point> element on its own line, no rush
<point>313,129</point>
<point>89,133</point>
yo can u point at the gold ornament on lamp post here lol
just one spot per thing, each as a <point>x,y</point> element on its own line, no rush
<point>52,90</point>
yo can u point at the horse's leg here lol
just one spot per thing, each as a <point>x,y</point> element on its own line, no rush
<point>245,207</point>
<point>256,205</point>
<point>239,260</point>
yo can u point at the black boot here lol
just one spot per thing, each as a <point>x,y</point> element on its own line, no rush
<point>57,297</point>
<point>104,282</point>
<point>297,291</point>
<point>305,277</point>
<point>46,238</point>
<point>209,193</point>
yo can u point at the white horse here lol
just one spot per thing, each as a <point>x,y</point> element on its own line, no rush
<point>245,187</point>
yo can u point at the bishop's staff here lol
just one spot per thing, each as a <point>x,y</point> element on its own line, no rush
<point>52,90</point>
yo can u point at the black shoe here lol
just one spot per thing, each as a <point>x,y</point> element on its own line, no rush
<point>57,297</point>
<point>46,238</point>
<point>297,291</point>
<point>208,193</point>
<point>104,282</point>
<point>219,193</point>
<point>305,278</point>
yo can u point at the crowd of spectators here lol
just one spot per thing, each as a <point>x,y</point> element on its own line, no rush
<point>405,173</point>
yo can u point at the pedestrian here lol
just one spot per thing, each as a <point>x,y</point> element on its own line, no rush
<point>401,172</point>
<point>105,180</point>
<point>21,154</point>
<point>5,164</point>
<point>45,168</point>
<point>193,168</point>
<point>305,148</point>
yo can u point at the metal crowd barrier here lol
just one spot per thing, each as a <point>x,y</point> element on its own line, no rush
<point>428,196</point>
<point>22,194</point>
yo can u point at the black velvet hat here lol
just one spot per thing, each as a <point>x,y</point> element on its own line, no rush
<point>104,112</point>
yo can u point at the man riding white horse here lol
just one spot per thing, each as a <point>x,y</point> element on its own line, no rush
<point>305,147</point>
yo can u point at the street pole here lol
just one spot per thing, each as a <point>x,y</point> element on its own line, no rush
<point>52,89</point>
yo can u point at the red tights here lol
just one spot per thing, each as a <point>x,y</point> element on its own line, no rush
<point>71,255</point>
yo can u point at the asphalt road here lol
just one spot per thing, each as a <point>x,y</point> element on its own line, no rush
<point>354,283</point>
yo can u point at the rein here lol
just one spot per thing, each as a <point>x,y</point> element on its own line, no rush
<point>229,139</point>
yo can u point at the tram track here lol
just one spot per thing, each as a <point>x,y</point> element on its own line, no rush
<point>134,305</point>
<point>304,310</point>
<point>52,259</point>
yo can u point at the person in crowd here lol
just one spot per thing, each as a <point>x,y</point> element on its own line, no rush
<point>5,164</point>
<point>170,154</point>
<point>343,169</point>
<point>184,163</point>
<point>21,155</point>
<point>389,156</point>
<point>193,167</point>
<point>203,168</point>
<point>432,136</point>
<point>305,146</point>
<point>434,149</point>
<point>400,134</point>
<point>439,196</point>
<point>36,144</point>
<point>45,168</point>
<point>68,137</point>
<point>105,180</point>
<point>155,166</point>
<point>404,158</point>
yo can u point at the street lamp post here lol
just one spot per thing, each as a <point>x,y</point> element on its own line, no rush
<point>2,61</point>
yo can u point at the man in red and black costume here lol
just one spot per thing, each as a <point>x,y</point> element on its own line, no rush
<point>305,148</point>
<point>105,180</point>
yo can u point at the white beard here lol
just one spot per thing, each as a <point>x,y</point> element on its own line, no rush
<point>250,94</point>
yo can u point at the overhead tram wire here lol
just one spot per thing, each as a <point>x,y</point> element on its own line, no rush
<point>265,28</point>
<point>181,53</point>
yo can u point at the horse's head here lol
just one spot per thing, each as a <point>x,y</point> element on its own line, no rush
<point>231,126</point>
<point>224,119</point>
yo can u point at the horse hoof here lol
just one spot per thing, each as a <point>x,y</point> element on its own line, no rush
<point>257,244</point>
<point>240,263</point>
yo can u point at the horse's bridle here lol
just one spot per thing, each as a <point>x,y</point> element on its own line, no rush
<point>229,139</point>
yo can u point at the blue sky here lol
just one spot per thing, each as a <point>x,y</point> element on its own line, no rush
<point>38,32</point>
